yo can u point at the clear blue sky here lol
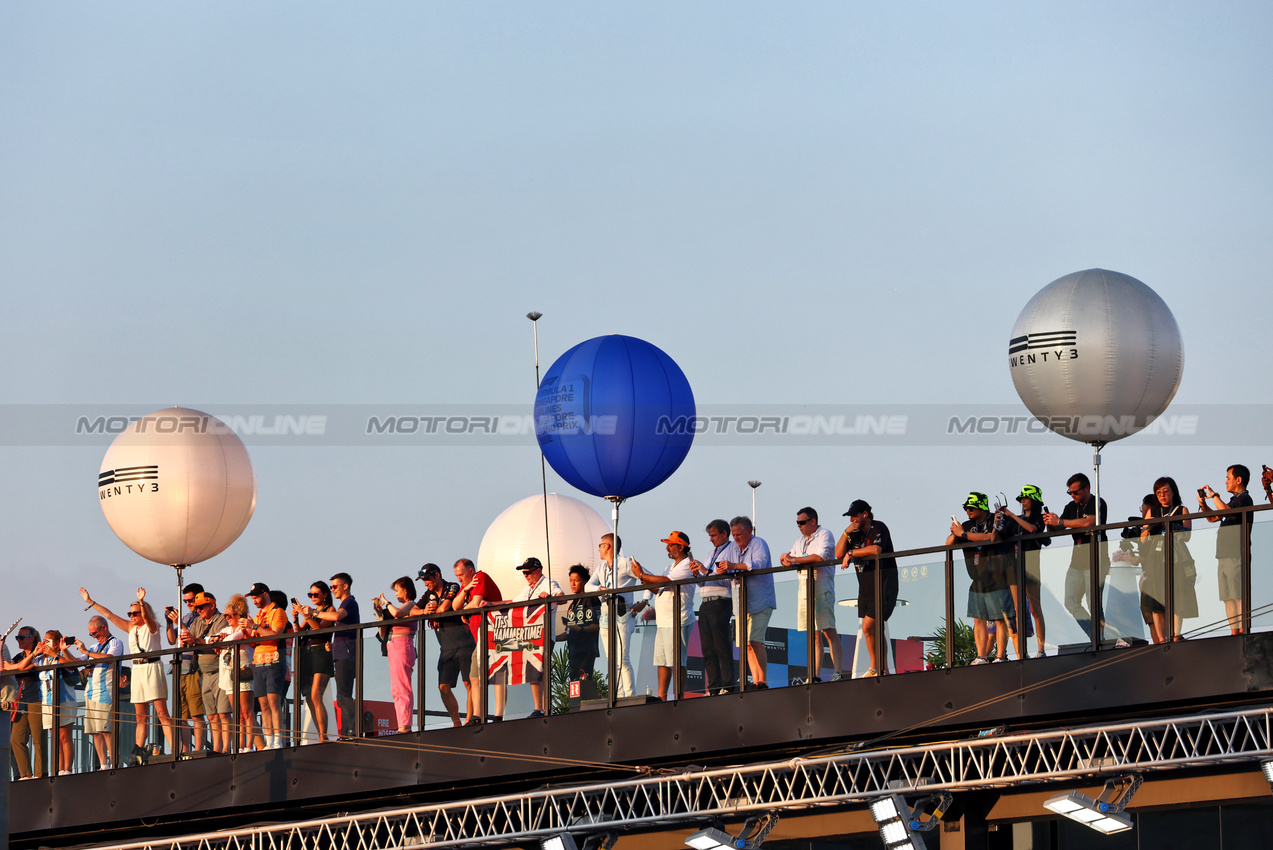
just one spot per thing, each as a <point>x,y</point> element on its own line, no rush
<point>320,204</point>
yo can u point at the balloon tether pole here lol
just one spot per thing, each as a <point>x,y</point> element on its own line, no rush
<point>614,529</point>
<point>534,317</point>
<point>180,568</point>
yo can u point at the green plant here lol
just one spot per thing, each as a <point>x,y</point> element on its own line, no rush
<point>561,681</point>
<point>965,647</point>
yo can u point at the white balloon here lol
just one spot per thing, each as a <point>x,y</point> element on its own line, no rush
<point>177,486</point>
<point>1096,356</point>
<point>575,529</point>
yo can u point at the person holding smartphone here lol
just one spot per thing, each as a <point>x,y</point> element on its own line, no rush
<point>1229,539</point>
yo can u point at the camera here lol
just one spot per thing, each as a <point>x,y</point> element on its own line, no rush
<point>1202,492</point>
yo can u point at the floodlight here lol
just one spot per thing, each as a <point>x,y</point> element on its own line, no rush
<point>1267,767</point>
<point>752,835</point>
<point>709,839</point>
<point>893,817</point>
<point>1103,814</point>
<point>560,841</point>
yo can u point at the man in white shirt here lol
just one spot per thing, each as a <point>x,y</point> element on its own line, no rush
<point>678,550</point>
<point>538,586</point>
<point>615,573</point>
<point>716,607</point>
<point>814,545</point>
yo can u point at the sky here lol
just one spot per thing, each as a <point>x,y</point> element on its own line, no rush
<point>325,208</point>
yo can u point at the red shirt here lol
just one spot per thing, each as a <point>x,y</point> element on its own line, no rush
<point>485,587</point>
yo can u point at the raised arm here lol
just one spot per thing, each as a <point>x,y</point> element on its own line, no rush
<point>119,621</point>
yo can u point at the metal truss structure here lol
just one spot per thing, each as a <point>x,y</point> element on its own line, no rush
<point>840,779</point>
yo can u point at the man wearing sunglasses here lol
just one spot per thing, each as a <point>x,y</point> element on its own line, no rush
<point>1080,513</point>
<point>216,702</point>
<point>815,545</point>
<point>98,699</point>
<point>989,600</point>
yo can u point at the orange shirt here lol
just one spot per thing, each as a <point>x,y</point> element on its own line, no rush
<point>269,617</point>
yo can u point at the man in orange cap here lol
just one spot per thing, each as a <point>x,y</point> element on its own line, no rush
<point>683,566</point>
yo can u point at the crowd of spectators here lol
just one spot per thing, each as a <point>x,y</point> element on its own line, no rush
<point>210,715</point>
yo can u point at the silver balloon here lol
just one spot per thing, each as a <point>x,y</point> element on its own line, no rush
<point>1096,356</point>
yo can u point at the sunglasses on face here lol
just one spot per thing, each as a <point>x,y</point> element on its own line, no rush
<point>802,522</point>
<point>1076,492</point>
<point>313,595</point>
<point>134,613</point>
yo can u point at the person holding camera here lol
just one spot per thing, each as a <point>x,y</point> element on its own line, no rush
<point>1229,539</point>
<point>98,702</point>
<point>989,600</point>
<point>1081,513</point>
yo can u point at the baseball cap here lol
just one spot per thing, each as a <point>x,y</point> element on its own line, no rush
<point>258,589</point>
<point>428,571</point>
<point>677,537</point>
<point>203,599</point>
<point>530,565</point>
<point>1029,491</point>
<point>977,500</point>
<point>859,506</point>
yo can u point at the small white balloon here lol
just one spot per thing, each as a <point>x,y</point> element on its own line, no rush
<point>1096,356</point>
<point>575,529</point>
<point>177,486</point>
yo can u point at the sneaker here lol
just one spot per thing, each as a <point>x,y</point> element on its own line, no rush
<point>535,713</point>
<point>1040,654</point>
<point>760,686</point>
<point>836,677</point>
<point>63,773</point>
<point>980,659</point>
<point>999,659</point>
<point>724,691</point>
<point>871,673</point>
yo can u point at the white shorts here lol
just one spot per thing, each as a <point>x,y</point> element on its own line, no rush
<point>663,649</point>
<point>148,683</point>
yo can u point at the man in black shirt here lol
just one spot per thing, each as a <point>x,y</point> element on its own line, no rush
<point>864,538</point>
<point>989,600</point>
<point>1081,513</point>
<point>455,641</point>
<point>1229,540</point>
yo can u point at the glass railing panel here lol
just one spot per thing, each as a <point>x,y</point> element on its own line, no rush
<point>915,629</point>
<point>379,713</point>
<point>1262,572</point>
<point>1064,596</point>
<point>1198,603</point>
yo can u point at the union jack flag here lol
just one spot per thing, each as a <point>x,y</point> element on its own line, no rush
<point>516,642</point>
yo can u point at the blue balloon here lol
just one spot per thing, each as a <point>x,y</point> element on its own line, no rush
<point>614,416</point>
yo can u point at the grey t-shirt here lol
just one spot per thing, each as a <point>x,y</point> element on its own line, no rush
<point>200,630</point>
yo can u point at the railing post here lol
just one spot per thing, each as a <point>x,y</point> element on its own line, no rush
<point>178,710</point>
<point>1248,514</point>
<point>114,749</point>
<point>1093,584</point>
<point>1169,579</point>
<point>359,659</point>
<point>881,643</point>
<point>55,734</point>
<point>297,697</point>
<point>484,676</point>
<point>546,676</point>
<point>236,711</point>
<point>814,660</point>
<point>950,608</point>
<point>744,645</point>
<point>612,643</point>
<point>676,643</point>
<point>421,678</point>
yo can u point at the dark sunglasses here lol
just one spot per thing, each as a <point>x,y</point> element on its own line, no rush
<point>134,613</point>
<point>803,521</point>
<point>313,595</point>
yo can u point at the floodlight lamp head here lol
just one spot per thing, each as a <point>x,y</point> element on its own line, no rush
<point>560,841</point>
<point>534,315</point>
<point>1267,767</point>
